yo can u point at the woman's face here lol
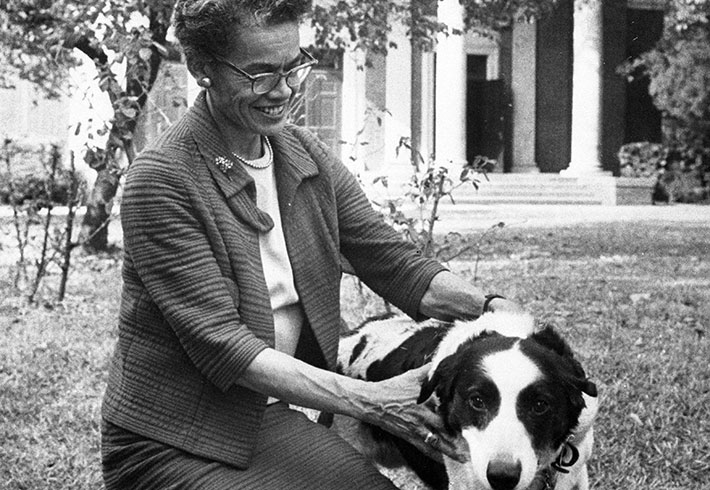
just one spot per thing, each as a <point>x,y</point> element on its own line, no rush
<point>256,49</point>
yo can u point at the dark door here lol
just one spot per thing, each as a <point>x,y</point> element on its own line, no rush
<point>643,120</point>
<point>485,105</point>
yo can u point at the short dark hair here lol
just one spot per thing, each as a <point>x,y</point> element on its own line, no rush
<point>205,27</point>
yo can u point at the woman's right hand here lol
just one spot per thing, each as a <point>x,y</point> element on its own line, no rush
<point>394,408</point>
<point>390,404</point>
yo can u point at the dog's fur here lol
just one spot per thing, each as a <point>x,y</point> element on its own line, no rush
<point>512,391</point>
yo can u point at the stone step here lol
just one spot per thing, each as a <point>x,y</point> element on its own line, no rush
<point>501,188</point>
<point>538,189</point>
<point>526,199</point>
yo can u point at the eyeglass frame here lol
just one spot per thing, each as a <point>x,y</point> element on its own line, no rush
<point>255,78</point>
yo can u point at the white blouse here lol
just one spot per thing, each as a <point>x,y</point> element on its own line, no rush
<point>285,303</point>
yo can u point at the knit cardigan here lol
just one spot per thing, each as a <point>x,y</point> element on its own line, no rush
<point>195,307</point>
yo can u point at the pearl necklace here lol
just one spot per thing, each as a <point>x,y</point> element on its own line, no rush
<point>259,163</point>
<point>225,164</point>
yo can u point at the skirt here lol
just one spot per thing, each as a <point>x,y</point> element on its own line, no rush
<point>292,453</point>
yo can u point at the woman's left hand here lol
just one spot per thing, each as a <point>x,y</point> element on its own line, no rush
<point>394,408</point>
<point>503,304</point>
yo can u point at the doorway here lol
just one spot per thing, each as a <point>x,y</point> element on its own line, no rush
<point>484,111</point>
<point>643,121</point>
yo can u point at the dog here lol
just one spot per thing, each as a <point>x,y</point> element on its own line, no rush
<point>512,390</point>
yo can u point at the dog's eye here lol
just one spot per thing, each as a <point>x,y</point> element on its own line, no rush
<point>539,407</point>
<point>477,403</point>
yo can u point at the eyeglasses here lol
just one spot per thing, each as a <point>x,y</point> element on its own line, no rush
<point>263,83</point>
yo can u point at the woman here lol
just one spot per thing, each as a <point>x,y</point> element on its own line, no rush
<point>234,225</point>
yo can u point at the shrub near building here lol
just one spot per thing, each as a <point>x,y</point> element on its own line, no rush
<point>678,69</point>
<point>33,173</point>
<point>669,176</point>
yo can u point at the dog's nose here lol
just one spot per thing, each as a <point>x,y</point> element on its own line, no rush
<point>503,474</point>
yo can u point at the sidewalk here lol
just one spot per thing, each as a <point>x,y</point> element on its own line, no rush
<point>463,217</point>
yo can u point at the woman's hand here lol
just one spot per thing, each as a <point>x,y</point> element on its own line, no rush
<point>390,404</point>
<point>395,409</point>
<point>450,297</point>
<point>503,304</point>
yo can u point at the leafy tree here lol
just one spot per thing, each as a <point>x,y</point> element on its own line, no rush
<point>39,42</point>
<point>678,68</point>
<point>39,39</point>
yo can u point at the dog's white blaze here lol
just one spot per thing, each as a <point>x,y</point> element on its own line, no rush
<point>505,436</point>
<point>508,324</point>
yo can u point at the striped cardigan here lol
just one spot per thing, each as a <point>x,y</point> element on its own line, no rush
<point>195,308</point>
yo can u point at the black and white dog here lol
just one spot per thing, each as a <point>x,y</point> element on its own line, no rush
<point>512,391</point>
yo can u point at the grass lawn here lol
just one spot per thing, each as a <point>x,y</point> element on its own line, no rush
<point>633,300</point>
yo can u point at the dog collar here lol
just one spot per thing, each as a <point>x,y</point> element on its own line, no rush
<point>545,480</point>
<point>568,456</point>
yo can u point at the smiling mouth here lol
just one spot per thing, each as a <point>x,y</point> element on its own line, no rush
<point>272,111</point>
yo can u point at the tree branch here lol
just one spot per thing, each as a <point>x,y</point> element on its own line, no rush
<point>83,44</point>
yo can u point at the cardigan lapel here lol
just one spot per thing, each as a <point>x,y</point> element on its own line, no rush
<point>234,182</point>
<point>293,165</point>
<point>307,215</point>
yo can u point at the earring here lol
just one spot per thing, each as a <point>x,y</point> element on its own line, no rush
<point>205,82</point>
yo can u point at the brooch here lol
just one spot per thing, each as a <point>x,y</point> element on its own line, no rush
<point>224,164</point>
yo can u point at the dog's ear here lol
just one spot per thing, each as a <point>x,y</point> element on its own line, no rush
<point>428,387</point>
<point>550,339</point>
<point>442,381</point>
<point>588,387</point>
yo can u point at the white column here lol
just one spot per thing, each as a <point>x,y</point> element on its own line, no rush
<point>523,79</point>
<point>354,107</point>
<point>428,105</point>
<point>586,91</point>
<point>373,153</point>
<point>398,85</point>
<point>451,88</point>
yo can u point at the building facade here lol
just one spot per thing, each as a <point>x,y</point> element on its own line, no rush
<point>541,97</point>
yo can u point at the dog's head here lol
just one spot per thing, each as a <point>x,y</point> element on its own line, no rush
<point>513,400</point>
